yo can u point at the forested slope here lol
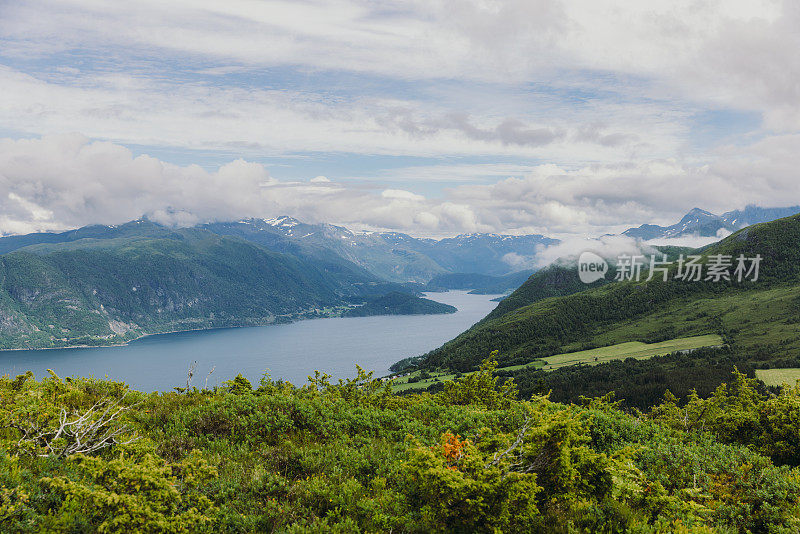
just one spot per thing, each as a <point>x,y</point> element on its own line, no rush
<point>92,291</point>
<point>747,313</point>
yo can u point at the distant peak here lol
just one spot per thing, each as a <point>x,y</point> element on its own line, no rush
<point>697,213</point>
<point>283,221</point>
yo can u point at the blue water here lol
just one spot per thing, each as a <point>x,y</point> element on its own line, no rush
<point>288,351</point>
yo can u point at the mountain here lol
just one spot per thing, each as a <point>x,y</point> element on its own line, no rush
<point>504,284</point>
<point>552,281</point>
<point>492,254</point>
<point>109,284</point>
<point>560,279</point>
<point>752,316</point>
<point>703,223</point>
<point>696,222</point>
<point>387,256</point>
<point>396,303</point>
<point>139,228</point>
<point>446,282</point>
<point>142,278</point>
<point>754,215</point>
<point>479,284</point>
<point>392,256</point>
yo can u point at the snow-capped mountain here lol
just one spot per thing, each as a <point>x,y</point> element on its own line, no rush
<point>699,222</point>
<point>392,256</point>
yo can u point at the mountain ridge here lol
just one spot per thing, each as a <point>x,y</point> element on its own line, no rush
<point>93,291</point>
<point>702,223</point>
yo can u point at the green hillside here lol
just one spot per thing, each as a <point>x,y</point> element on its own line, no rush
<point>558,280</point>
<point>757,320</point>
<point>503,284</point>
<point>397,303</point>
<point>98,291</point>
<point>634,350</point>
<point>552,281</point>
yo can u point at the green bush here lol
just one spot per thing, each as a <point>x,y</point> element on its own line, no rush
<point>351,457</point>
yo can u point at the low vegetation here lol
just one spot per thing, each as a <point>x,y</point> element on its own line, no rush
<point>353,457</point>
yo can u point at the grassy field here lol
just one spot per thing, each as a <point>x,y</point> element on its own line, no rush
<point>778,377</point>
<point>632,349</point>
<point>402,384</point>
<point>620,351</point>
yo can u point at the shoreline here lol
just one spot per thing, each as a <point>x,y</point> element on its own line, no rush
<point>158,360</point>
<point>290,320</point>
<point>151,334</point>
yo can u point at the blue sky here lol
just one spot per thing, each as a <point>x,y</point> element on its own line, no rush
<point>434,118</point>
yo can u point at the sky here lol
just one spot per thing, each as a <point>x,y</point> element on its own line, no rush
<point>564,118</point>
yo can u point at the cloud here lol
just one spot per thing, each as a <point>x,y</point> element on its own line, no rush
<point>509,132</point>
<point>608,247</point>
<point>693,241</point>
<point>518,262</point>
<point>66,181</point>
<point>566,82</point>
<point>400,195</point>
<point>254,121</point>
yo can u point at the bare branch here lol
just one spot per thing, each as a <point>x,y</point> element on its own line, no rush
<point>190,375</point>
<point>208,376</point>
<point>81,433</point>
<point>520,439</point>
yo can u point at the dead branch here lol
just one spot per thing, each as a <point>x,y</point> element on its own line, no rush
<point>208,376</point>
<point>190,375</point>
<point>520,439</point>
<point>81,433</point>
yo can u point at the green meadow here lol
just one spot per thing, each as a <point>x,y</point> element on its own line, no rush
<point>620,351</point>
<point>778,377</point>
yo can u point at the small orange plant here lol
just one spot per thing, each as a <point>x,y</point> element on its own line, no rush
<point>452,447</point>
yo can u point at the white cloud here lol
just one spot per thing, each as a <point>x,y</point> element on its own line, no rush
<point>693,241</point>
<point>608,247</point>
<point>639,70</point>
<point>65,181</point>
<point>151,111</point>
<point>400,195</point>
<point>732,52</point>
<point>596,103</point>
<point>518,262</point>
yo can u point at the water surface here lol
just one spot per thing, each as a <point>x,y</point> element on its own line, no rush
<point>287,351</point>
